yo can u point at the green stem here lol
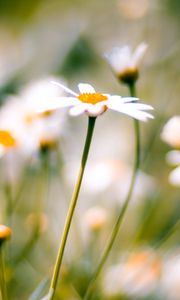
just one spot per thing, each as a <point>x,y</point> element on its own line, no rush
<point>71,210</point>
<point>123,209</point>
<point>2,276</point>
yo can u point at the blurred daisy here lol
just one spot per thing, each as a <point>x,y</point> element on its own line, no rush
<point>94,104</point>
<point>23,126</point>
<point>125,62</point>
<point>171,132</point>
<point>137,276</point>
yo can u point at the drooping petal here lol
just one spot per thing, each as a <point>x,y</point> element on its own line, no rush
<point>86,88</point>
<point>137,114</point>
<point>78,109</point>
<point>96,110</point>
<point>56,103</point>
<point>65,88</point>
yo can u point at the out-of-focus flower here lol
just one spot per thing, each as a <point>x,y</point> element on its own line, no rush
<point>22,120</point>
<point>95,218</point>
<point>5,233</point>
<point>94,104</point>
<point>171,132</point>
<point>170,281</point>
<point>125,62</point>
<point>137,276</point>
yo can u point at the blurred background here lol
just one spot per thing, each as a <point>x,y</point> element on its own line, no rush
<point>66,41</point>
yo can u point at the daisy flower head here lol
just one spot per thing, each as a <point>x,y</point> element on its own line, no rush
<point>5,233</point>
<point>125,62</point>
<point>94,103</point>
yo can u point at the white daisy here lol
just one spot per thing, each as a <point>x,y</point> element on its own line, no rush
<point>121,58</point>
<point>124,61</point>
<point>94,104</point>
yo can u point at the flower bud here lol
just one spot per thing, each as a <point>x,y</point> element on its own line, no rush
<point>5,233</point>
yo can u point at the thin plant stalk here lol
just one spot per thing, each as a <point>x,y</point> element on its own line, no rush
<point>64,189</point>
<point>71,210</point>
<point>118,223</point>
<point>2,276</point>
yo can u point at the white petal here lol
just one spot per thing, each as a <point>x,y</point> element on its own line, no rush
<point>65,88</point>
<point>119,58</point>
<point>137,114</point>
<point>120,100</point>
<point>139,106</point>
<point>138,53</point>
<point>96,110</point>
<point>78,110</point>
<point>56,103</point>
<point>86,88</point>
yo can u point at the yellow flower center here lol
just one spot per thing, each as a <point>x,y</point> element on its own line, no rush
<point>92,98</point>
<point>6,139</point>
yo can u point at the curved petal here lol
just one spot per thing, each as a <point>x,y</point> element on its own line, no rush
<point>78,110</point>
<point>97,109</point>
<point>86,88</point>
<point>137,114</point>
<point>58,102</point>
